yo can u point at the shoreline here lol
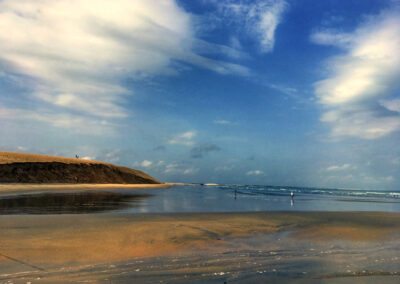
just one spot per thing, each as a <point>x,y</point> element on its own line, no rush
<point>54,187</point>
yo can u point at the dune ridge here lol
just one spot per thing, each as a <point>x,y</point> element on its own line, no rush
<point>35,168</point>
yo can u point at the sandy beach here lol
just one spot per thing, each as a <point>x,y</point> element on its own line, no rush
<point>56,248</point>
<point>56,233</point>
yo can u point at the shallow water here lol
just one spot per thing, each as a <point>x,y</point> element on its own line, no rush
<point>264,198</point>
<point>197,198</point>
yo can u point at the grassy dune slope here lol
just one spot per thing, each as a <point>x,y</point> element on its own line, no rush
<point>34,168</point>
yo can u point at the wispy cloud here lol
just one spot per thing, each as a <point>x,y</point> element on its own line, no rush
<point>190,171</point>
<point>75,123</point>
<point>253,19</point>
<point>185,139</point>
<point>266,17</point>
<point>255,173</point>
<point>76,53</point>
<point>338,167</point>
<point>171,168</point>
<point>112,156</point>
<point>360,88</point>
<point>332,37</point>
<point>223,122</point>
<point>178,169</point>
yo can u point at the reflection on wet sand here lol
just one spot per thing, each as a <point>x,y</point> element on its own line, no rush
<point>237,248</point>
<point>68,202</point>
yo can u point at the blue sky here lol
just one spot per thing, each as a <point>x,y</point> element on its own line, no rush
<point>302,93</point>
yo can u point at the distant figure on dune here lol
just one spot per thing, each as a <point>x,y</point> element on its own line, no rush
<point>77,156</point>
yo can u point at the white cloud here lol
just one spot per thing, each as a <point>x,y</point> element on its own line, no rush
<point>362,123</point>
<point>254,173</point>
<point>88,158</point>
<point>185,138</point>
<point>331,37</point>
<point>171,168</point>
<point>269,17</point>
<point>79,124</point>
<point>392,105</point>
<point>77,50</point>
<point>73,55</point>
<point>22,149</point>
<point>178,169</point>
<point>338,167</point>
<point>257,19</point>
<point>361,83</point>
<point>190,171</point>
<point>146,163</point>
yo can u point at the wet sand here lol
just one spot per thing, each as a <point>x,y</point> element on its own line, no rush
<point>233,247</point>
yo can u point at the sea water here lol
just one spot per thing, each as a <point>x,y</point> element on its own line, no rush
<point>200,198</point>
<point>253,198</point>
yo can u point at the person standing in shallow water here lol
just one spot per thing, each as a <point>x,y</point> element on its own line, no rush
<point>291,198</point>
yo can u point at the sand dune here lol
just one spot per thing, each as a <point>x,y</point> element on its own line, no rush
<point>14,157</point>
<point>34,168</point>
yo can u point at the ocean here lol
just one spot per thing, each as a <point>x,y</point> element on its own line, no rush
<point>255,198</point>
<point>195,198</point>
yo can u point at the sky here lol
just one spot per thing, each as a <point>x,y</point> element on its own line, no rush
<point>270,92</point>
